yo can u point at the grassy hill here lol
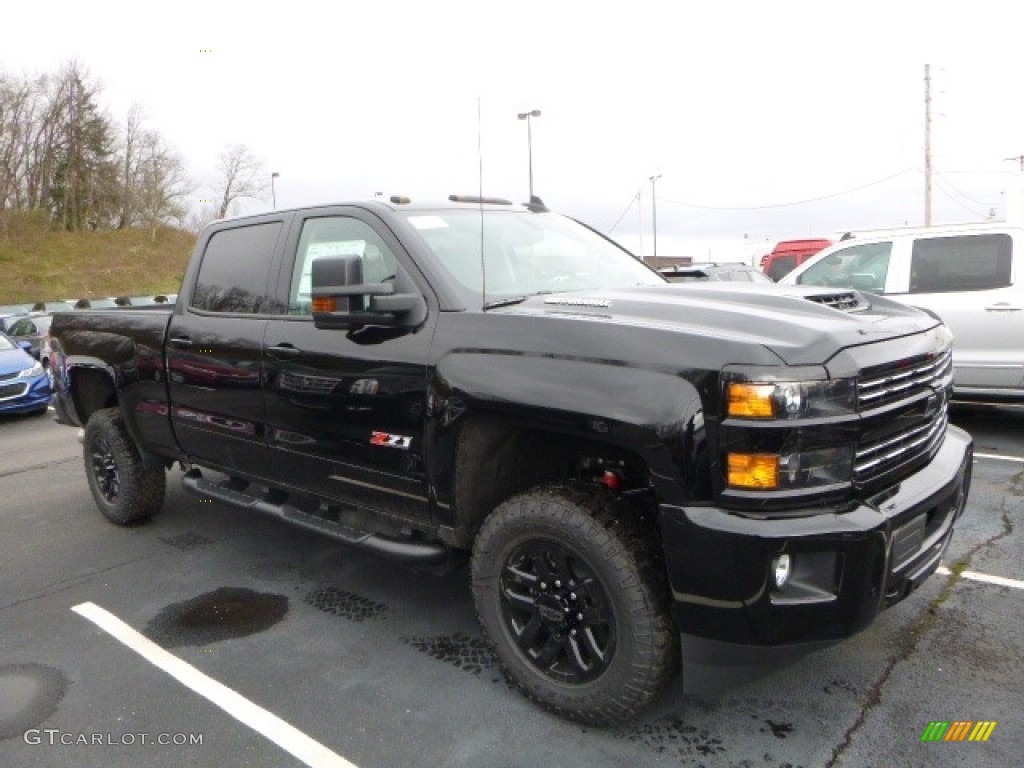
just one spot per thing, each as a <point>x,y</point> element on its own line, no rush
<point>40,264</point>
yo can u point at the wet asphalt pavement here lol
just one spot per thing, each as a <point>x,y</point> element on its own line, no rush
<point>382,664</point>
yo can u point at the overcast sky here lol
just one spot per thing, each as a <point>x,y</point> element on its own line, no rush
<point>745,109</point>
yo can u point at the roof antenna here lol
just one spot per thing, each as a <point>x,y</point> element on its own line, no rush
<point>480,194</point>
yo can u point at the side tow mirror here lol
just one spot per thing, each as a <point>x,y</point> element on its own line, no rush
<point>342,300</point>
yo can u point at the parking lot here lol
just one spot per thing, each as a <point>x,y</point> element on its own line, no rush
<point>298,651</point>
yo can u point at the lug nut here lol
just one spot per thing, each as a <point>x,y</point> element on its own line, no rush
<point>572,595</point>
<point>543,585</point>
<point>572,632</point>
<point>558,583</point>
<point>578,615</point>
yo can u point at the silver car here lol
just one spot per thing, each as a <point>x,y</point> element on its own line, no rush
<point>970,276</point>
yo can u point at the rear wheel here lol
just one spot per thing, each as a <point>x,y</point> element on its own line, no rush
<point>123,488</point>
<point>574,601</point>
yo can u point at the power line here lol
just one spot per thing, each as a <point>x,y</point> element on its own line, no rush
<point>960,192</point>
<point>790,204</point>
<point>948,191</point>
<point>619,220</point>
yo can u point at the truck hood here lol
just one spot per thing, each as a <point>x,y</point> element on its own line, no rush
<point>802,325</point>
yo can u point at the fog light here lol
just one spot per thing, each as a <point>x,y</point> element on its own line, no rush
<point>781,570</point>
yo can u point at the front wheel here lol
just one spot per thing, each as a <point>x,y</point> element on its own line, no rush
<point>575,603</point>
<point>122,486</point>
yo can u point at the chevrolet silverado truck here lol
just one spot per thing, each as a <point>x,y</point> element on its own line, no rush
<point>625,462</point>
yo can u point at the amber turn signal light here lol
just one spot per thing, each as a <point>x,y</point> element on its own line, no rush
<point>751,401</point>
<point>759,471</point>
<point>327,304</point>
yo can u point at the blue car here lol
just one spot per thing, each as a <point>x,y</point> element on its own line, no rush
<point>24,384</point>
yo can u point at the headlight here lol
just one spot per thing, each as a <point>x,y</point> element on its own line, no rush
<point>789,471</point>
<point>31,373</point>
<point>790,399</point>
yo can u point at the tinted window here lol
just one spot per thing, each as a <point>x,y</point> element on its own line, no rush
<point>337,236</point>
<point>235,269</point>
<point>863,266</point>
<point>781,266</point>
<point>23,328</point>
<point>961,263</point>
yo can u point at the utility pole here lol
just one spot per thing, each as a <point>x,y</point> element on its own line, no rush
<point>654,216</point>
<point>927,145</point>
<point>640,219</point>
<point>528,116</point>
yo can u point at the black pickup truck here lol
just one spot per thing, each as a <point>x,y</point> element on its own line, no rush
<point>627,461</point>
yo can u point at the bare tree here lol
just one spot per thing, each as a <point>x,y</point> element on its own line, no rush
<point>162,182</point>
<point>152,180</point>
<point>242,176</point>
<point>129,171</point>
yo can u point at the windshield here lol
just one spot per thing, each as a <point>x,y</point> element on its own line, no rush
<point>525,254</point>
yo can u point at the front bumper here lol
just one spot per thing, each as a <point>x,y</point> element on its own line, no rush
<point>22,395</point>
<point>848,564</point>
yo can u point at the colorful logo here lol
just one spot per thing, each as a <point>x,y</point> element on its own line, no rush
<point>958,730</point>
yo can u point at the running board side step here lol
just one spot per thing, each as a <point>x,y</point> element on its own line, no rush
<point>401,549</point>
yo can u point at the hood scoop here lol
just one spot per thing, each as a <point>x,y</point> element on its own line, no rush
<point>844,301</point>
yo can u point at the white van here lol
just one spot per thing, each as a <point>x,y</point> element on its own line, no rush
<point>970,276</point>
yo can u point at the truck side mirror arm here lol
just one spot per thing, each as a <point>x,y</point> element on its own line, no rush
<point>342,301</point>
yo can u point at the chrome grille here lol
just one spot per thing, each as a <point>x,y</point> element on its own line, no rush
<point>10,391</point>
<point>846,301</point>
<point>904,379</point>
<point>874,459</point>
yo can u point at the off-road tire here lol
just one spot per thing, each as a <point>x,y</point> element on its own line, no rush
<point>619,594</point>
<point>123,488</point>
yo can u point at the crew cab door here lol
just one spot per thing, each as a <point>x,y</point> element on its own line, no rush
<point>974,283</point>
<point>214,342</point>
<point>346,407</point>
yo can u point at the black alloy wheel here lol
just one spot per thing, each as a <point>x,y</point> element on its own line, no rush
<point>104,470</point>
<point>558,611</point>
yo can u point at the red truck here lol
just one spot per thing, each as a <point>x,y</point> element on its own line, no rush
<point>789,254</point>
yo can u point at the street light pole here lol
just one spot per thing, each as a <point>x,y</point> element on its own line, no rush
<point>527,116</point>
<point>654,216</point>
<point>273,192</point>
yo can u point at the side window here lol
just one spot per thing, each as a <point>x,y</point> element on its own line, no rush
<point>337,236</point>
<point>23,328</point>
<point>235,268</point>
<point>781,266</point>
<point>961,263</point>
<point>864,267</point>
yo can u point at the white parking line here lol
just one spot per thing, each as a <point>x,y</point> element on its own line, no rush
<point>984,577</point>
<point>290,739</point>
<point>1017,459</point>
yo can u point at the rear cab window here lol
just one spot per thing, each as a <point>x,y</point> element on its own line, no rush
<point>961,263</point>
<point>235,270</point>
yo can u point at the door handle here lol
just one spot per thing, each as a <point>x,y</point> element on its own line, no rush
<point>182,342</point>
<point>283,350</point>
<point>1002,307</point>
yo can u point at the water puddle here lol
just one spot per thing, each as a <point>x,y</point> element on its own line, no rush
<point>224,614</point>
<point>29,694</point>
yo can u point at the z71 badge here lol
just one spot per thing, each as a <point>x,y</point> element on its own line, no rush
<point>390,441</point>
